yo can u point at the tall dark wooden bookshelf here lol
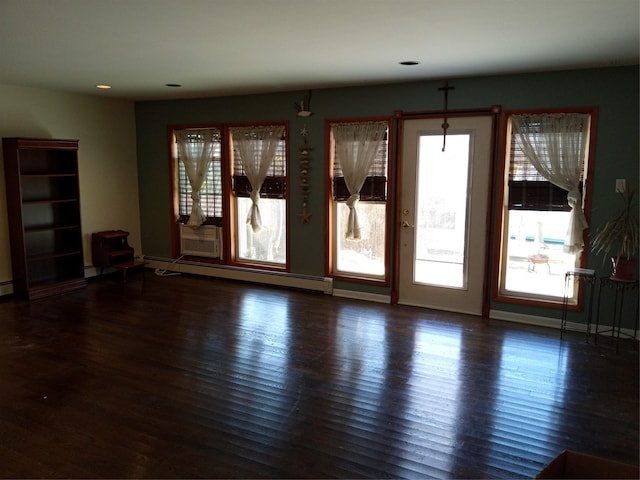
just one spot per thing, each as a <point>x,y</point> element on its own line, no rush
<point>43,205</point>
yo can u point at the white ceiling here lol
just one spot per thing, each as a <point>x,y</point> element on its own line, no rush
<point>228,47</point>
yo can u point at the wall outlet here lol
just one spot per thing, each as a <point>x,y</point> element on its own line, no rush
<point>621,185</point>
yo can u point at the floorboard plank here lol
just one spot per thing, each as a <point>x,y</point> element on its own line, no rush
<point>192,377</point>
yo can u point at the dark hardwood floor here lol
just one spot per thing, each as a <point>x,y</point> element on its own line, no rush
<point>196,377</point>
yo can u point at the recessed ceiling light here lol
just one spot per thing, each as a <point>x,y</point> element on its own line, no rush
<point>173,85</point>
<point>409,62</point>
<point>103,87</point>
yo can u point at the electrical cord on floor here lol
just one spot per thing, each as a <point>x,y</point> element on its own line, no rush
<point>161,272</point>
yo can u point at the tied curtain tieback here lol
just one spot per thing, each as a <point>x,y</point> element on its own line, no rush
<point>253,217</point>
<point>353,226</point>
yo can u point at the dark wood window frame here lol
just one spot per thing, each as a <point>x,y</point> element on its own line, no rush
<point>273,187</point>
<point>216,200</point>
<point>375,189</point>
<point>551,199</point>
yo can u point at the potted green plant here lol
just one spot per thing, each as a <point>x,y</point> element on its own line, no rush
<point>618,236</point>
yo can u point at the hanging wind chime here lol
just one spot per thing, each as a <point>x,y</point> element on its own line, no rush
<point>303,109</point>
<point>304,157</point>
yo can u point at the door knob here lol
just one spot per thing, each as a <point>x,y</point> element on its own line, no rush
<point>406,224</point>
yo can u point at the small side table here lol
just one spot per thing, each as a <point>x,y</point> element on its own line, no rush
<point>588,277</point>
<point>620,290</point>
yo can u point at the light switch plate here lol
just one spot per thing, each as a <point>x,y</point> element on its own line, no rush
<point>621,185</point>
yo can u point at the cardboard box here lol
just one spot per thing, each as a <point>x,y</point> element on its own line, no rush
<point>579,465</point>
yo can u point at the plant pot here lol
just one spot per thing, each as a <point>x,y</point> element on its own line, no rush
<point>623,268</point>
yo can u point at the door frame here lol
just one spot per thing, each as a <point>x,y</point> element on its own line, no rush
<point>399,118</point>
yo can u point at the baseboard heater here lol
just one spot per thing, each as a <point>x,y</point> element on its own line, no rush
<point>282,279</point>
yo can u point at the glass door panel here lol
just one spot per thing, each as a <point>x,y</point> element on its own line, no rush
<point>441,210</point>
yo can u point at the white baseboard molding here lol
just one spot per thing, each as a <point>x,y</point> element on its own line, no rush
<point>306,282</point>
<point>549,322</point>
<point>535,320</point>
<point>90,271</point>
<point>6,288</point>
<point>370,297</point>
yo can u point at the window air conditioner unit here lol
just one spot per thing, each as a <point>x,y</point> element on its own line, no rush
<point>203,241</point>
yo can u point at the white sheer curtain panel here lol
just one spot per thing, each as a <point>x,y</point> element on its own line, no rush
<point>196,149</point>
<point>356,148</point>
<point>556,145</point>
<point>256,146</point>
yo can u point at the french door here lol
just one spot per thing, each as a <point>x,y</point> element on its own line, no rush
<point>443,212</point>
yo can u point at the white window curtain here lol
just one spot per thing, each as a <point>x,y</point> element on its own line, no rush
<point>556,145</point>
<point>256,146</point>
<point>196,149</point>
<point>356,145</point>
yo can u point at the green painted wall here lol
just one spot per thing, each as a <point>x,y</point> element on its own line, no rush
<point>613,90</point>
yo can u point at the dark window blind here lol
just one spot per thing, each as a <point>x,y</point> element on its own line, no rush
<point>374,188</point>
<point>528,189</point>
<point>275,183</point>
